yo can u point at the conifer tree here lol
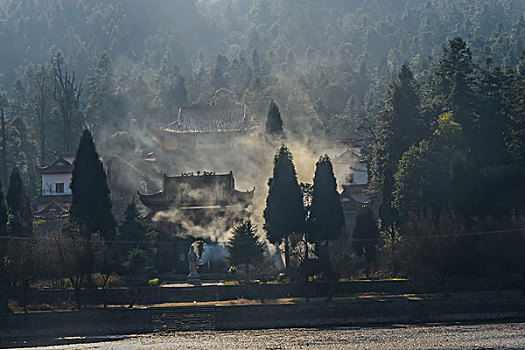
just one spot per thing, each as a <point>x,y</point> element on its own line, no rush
<point>274,124</point>
<point>3,252</point>
<point>91,203</point>
<point>244,246</point>
<point>4,284</point>
<point>400,125</point>
<point>517,123</point>
<point>284,213</point>
<point>326,214</point>
<point>20,216</point>
<point>14,191</point>
<point>365,236</point>
<point>21,254</point>
<point>493,118</point>
<point>454,84</point>
<point>132,230</point>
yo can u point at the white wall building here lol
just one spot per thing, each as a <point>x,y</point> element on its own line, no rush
<point>56,178</point>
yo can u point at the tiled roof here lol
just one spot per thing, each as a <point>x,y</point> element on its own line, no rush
<point>53,210</point>
<point>211,118</point>
<point>65,199</point>
<point>189,190</point>
<point>58,166</point>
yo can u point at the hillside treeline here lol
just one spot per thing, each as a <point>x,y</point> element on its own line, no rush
<point>448,167</point>
<point>118,66</point>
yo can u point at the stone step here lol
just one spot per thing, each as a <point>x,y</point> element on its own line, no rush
<point>183,318</point>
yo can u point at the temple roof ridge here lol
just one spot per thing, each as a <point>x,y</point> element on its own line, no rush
<point>207,117</point>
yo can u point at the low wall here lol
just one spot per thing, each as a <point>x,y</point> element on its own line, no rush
<point>158,295</point>
<point>41,328</point>
<point>90,322</point>
<point>365,312</point>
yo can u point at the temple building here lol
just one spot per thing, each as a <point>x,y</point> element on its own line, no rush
<point>204,127</point>
<point>355,183</point>
<point>191,206</point>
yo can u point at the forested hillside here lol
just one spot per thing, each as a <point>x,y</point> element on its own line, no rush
<point>128,64</point>
<point>434,91</point>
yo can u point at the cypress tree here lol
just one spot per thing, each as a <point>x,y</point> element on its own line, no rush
<point>14,191</point>
<point>3,252</point>
<point>21,220</point>
<point>326,214</point>
<point>284,213</point>
<point>91,203</point>
<point>274,123</point>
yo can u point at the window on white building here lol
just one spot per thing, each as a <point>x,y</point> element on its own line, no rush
<point>59,187</point>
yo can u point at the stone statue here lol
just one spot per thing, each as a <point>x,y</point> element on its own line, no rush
<point>194,276</point>
<point>192,260</point>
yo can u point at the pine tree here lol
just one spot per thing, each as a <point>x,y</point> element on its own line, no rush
<point>217,73</point>
<point>244,246</point>
<point>326,214</point>
<point>454,84</point>
<point>517,123</point>
<point>284,213</point>
<point>132,230</point>
<point>91,203</point>
<point>401,125</point>
<point>170,93</point>
<point>494,114</point>
<point>274,124</point>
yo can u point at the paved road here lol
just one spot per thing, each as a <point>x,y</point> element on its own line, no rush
<point>479,336</point>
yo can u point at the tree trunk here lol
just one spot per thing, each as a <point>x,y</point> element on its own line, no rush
<point>78,297</point>
<point>393,250</point>
<point>367,265</point>
<point>77,286</point>
<point>25,286</point>
<point>42,146</point>
<point>286,253</point>
<point>4,288</point>
<point>104,284</point>
<point>307,289</point>
<point>67,135</point>
<point>331,289</point>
